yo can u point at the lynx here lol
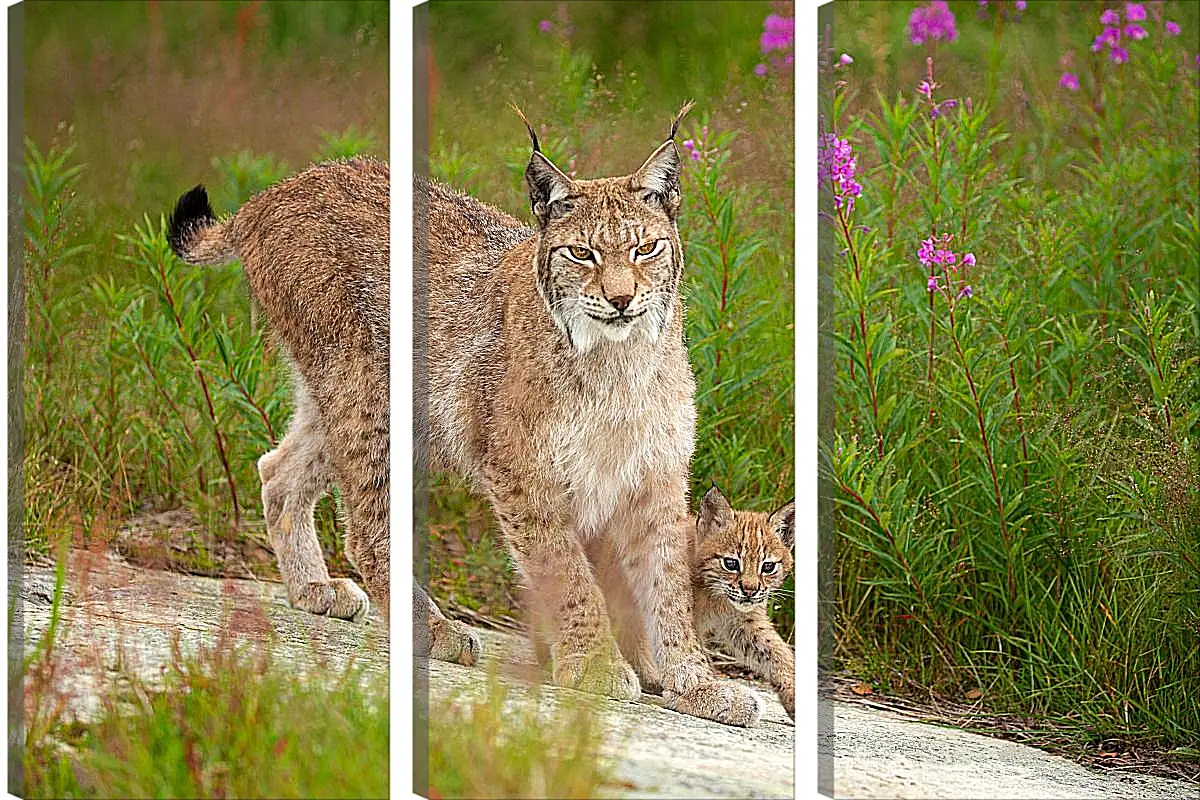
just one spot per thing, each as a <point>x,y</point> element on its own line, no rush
<point>314,249</point>
<point>737,559</point>
<point>559,385</point>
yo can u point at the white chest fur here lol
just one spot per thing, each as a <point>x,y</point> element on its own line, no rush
<point>605,454</point>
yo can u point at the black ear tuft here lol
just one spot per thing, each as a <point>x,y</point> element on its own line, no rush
<point>683,112</point>
<point>783,523</point>
<point>528,127</point>
<point>191,212</point>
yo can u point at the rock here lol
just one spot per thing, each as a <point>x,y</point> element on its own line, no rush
<point>879,755</point>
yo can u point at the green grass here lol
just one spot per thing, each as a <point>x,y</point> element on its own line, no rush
<point>1016,474</point>
<point>150,387</point>
<point>501,745</point>
<point>602,89</point>
<point>222,722</point>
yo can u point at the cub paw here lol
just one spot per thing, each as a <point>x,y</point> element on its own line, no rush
<point>450,641</point>
<point>720,701</point>
<point>598,673</point>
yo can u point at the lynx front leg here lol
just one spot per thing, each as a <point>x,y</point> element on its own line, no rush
<point>754,642</point>
<point>656,559</point>
<point>294,476</point>
<point>439,637</point>
<point>565,604</point>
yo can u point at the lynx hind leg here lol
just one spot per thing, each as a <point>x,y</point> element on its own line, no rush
<point>441,638</point>
<point>353,398</point>
<point>294,476</point>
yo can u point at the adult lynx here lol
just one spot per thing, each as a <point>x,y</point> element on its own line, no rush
<point>315,252</point>
<point>559,385</point>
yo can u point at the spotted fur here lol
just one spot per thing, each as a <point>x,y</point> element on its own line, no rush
<point>738,558</point>
<point>559,384</point>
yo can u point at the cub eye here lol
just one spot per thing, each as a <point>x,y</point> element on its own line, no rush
<point>731,564</point>
<point>647,248</point>
<point>580,253</point>
<point>768,567</point>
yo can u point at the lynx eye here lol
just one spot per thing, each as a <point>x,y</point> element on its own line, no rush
<point>578,253</point>
<point>768,567</point>
<point>731,564</point>
<point>649,248</point>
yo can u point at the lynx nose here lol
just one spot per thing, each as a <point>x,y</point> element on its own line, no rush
<point>621,302</point>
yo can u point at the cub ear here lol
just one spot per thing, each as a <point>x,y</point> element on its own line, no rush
<point>783,523</point>
<point>715,512</point>
<point>548,185</point>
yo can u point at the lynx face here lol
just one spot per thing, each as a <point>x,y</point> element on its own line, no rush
<point>742,556</point>
<point>608,258</point>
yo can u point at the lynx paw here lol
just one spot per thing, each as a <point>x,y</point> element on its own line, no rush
<point>685,674</point>
<point>721,701</point>
<point>340,598</point>
<point>598,673</point>
<point>450,641</point>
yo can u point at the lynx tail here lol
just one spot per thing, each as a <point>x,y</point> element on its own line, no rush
<point>194,233</point>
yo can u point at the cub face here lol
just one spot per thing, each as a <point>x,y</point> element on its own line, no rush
<point>742,556</point>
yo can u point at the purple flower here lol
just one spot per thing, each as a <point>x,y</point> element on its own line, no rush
<point>836,165</point>
<point>1119,55</point>
<point>760,70</point>
<point>932,285</point>
<point>779,33</point>
<point>1135,12</point>
<point>925,252</point>
<point>1110,17</point>
<point>545,26</point>
<point>1020,5</point>
<point>1135,31</point>
<point>966,292</point>
<point>845,60</point>
<point>969,259</point>
<point>935,22</point>
<point>1069,80</point>
<point>925,88</point>
<point>1172,28</point>
<point>695,154</point>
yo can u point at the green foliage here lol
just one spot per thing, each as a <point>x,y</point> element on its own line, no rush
<point>1016,473</point>
<point>222,722</point>
<point>501,746</point>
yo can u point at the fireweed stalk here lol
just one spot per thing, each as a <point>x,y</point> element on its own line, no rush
<point>946,281</point>
<point>835,171</point>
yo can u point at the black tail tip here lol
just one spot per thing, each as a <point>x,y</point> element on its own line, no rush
<point>191,212</point>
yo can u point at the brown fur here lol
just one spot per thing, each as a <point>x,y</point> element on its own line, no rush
<point>559,385</point>
<point>314,249</point>
<point>729,606</point>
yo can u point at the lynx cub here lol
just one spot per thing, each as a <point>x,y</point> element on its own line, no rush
<point>737,559</point>
<point>559,385</point>
<point>315,252</point>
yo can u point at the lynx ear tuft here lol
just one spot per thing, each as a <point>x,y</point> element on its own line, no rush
<point>683,112</point>
<point>715,512</point>
<point>783,523</point>
<point>528,127</point>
